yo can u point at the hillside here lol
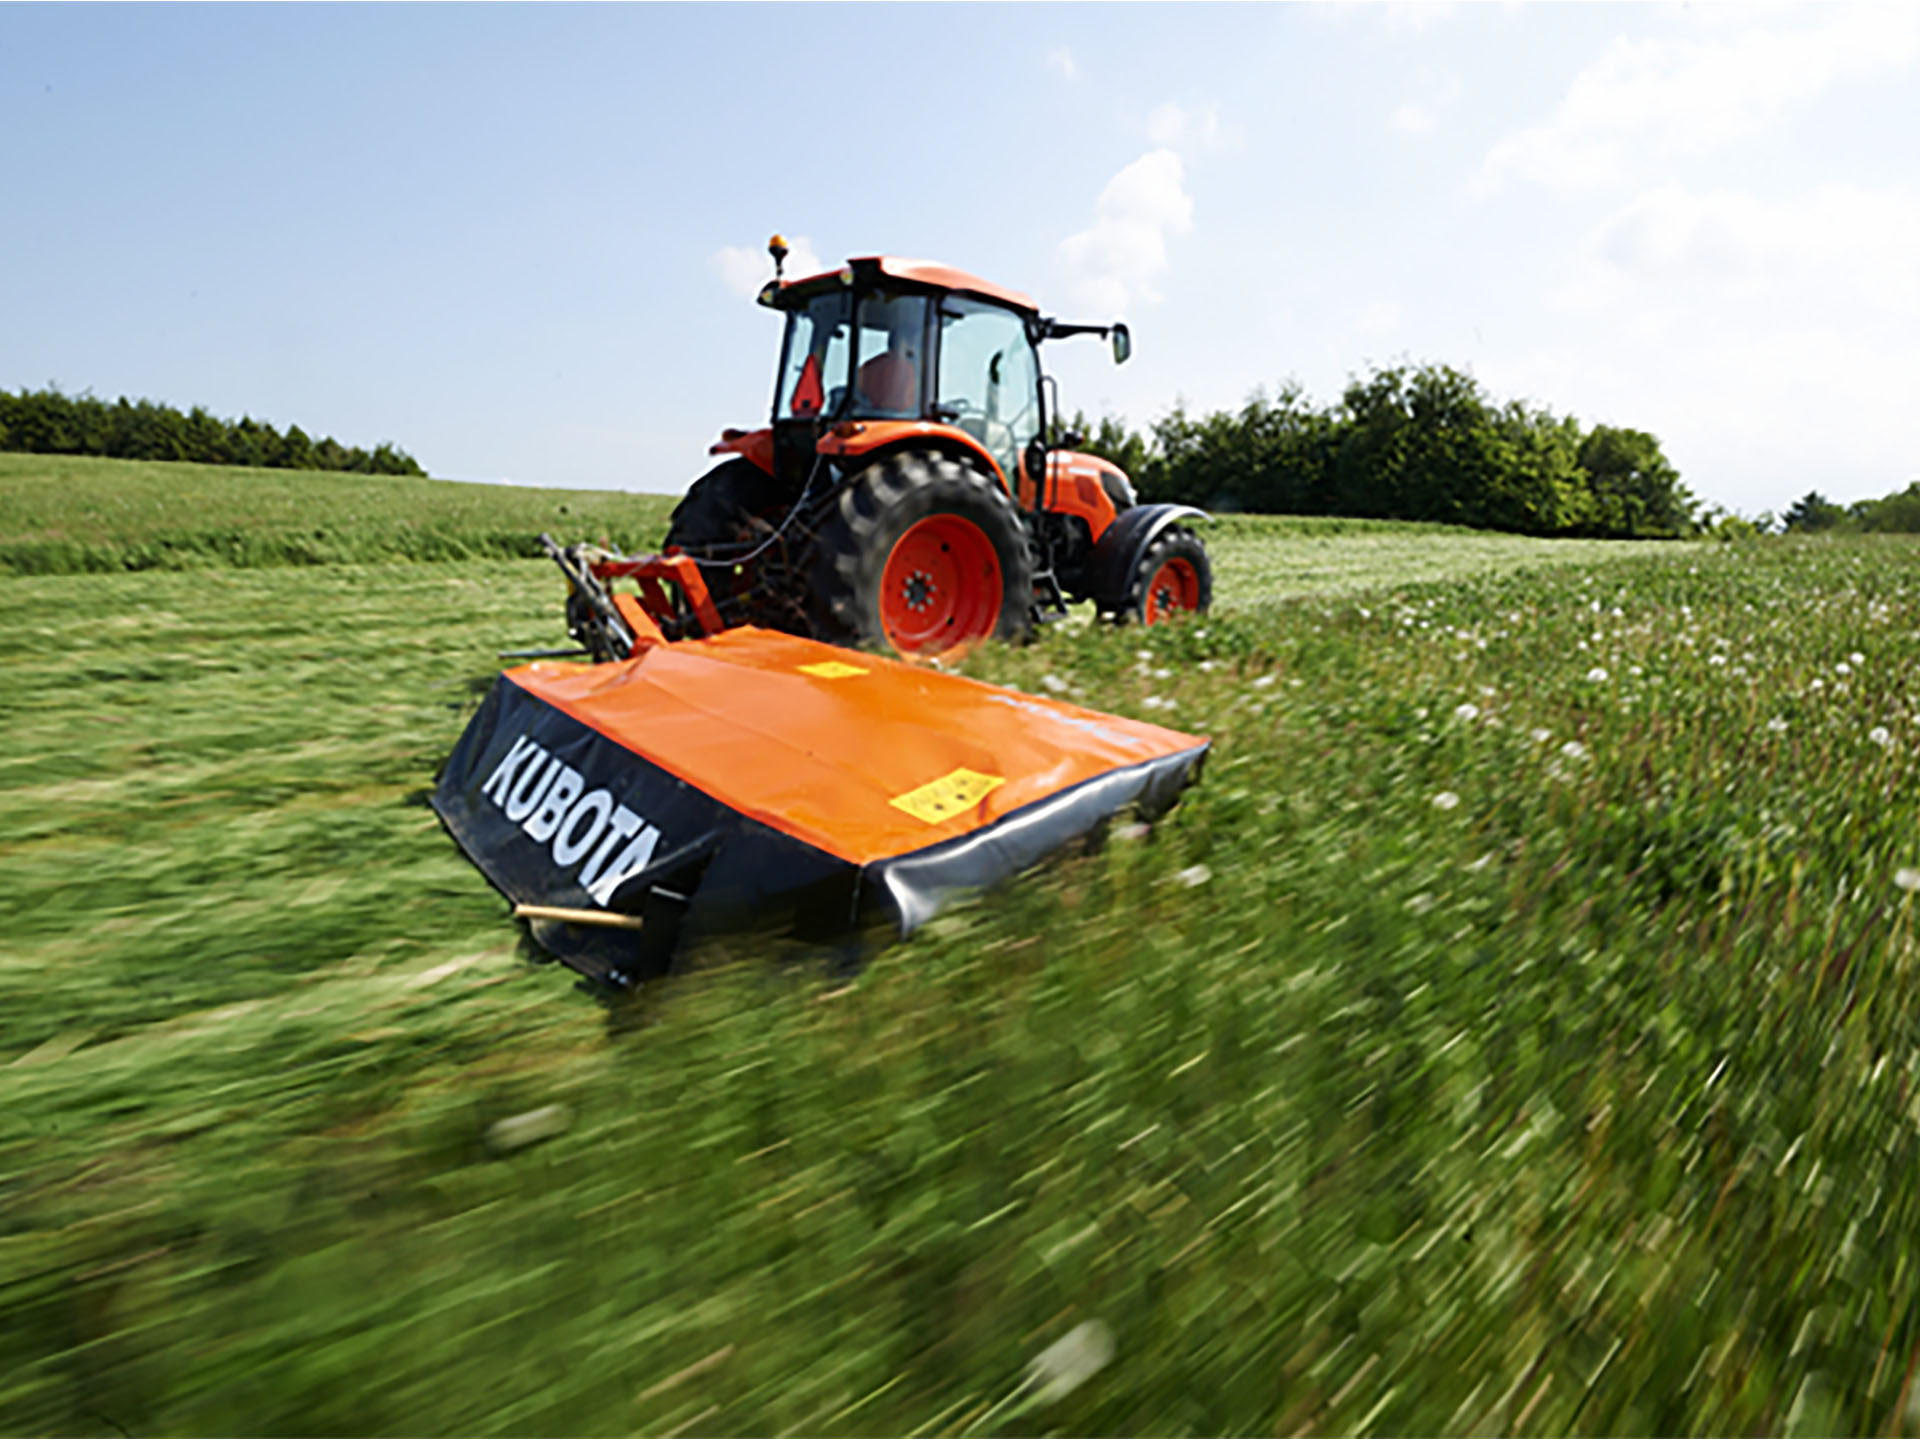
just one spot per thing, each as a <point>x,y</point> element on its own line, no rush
<point>72,514</point>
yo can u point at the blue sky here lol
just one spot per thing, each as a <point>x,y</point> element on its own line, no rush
<point>520,241</point>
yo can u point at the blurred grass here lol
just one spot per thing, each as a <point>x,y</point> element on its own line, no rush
<point>1583,1103</point>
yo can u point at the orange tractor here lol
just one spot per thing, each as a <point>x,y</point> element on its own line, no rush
<point>904,494</point>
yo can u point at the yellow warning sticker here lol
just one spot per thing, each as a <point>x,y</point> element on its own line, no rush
<point>832,670</point>
<point>948,796</point>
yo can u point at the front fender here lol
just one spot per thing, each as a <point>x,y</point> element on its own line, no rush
<point>1113,560</point>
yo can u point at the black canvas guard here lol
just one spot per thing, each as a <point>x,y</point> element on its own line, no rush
<point>911,888</point>
<point>743,872</point>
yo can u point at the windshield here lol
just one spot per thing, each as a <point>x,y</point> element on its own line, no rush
<point>814,360</point>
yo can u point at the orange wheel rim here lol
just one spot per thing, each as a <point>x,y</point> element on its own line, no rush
<point>1174,589</point>
<point>941,587</point>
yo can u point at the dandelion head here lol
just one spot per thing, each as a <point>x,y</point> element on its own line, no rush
<point>1069,1362</point>
<point>1880,736</point>
<point>1843,668</point>
<point>1857,658</point>
<point>1597,675</point>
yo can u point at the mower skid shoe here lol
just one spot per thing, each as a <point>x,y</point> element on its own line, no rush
<point>757,779</point>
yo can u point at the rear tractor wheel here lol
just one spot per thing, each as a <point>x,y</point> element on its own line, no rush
<point>723,519</point>
<point>922,555</point>
<point>1173,578</point>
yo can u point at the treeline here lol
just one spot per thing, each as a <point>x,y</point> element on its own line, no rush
<point>46,422</point>
<point>1407,443</point>
<point>1896,513</point>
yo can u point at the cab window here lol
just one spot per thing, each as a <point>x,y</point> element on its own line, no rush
<point>989,379</point>
<point>814,360</point>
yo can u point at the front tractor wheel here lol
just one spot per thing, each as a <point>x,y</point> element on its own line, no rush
<point>924,556</point>
<point>1173,578</point>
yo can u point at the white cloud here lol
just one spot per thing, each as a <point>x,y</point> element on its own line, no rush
<point>1060,61</point>
<point>1177,128</point>
<point>1659,98</point>
<point>1418,116</point>
<point>1768,342</point>
<point>1119,256</point>
<point>744,269</point>
<point>1837,250</point>
<point>1378,318</point>
<point>1416,17</point>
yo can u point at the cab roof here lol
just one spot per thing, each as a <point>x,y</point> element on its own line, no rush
<point>930,272</point>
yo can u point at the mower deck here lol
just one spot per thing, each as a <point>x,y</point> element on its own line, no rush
<point>755,777</point>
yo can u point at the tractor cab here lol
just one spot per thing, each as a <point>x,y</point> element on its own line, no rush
<point>884,342</point>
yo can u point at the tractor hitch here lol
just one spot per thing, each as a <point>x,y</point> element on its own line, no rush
<point>672,599</point>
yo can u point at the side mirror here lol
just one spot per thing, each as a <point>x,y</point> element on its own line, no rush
<point>1122,344</point>
<point>1036,459</point>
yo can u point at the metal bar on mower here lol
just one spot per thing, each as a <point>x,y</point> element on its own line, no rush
<point>606,918</point>
<point>615,632</point>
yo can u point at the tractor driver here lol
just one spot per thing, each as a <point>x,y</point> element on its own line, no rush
<point>890,381</point>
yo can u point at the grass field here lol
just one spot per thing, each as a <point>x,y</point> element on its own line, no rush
<point>1516,1031</point>
<point>62,515</point>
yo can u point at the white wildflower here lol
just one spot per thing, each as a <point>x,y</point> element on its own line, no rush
<point>1857,658</point>
<point>1467,713</point>
<point>1208,666</point>
<point>1843,668</point>
<point>1263,682</point>
<point>1154,702</point>
<point>1194,875</point>
<point>1716,660</point>
<point>1067,1364</point>
<point>1818,684</point>
<point>1777,726</point>
<point>1596,676</point>
<point>516,1132</point>
<point>1880,736</point>
<point>1163,674</point>
<point>1540,737</point>
<point>1574,750</point>
<point>1445,800</point>
<point>1907,877</point>
<point>1054,683</point>
<point>1143,654</point>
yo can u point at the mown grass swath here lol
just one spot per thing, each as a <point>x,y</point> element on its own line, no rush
<point>1515,1030</point>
